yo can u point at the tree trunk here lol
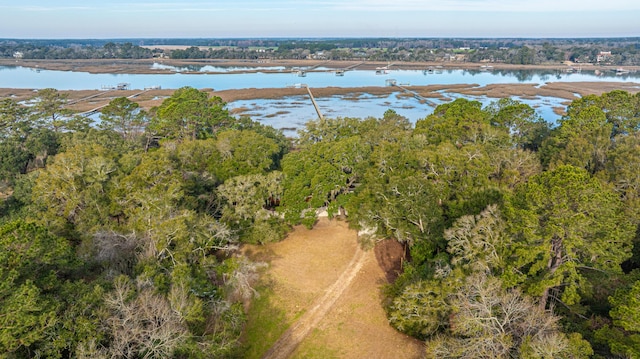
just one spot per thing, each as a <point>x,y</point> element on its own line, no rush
<point>554,263</point>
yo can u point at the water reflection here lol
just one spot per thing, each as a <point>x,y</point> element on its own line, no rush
<point>19,77</point>
<point>291,113</point>
<point>219,69</point>
<point>215,69</point>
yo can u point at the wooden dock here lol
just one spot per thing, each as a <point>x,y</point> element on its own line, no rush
<point>89,97</point>
<point>97,109</point>
<point>353,66</point>
<point>317,65</point>
<point>302,72</point>
<point>415,94</point>
<point>340,72</point>
<point>315,105</point>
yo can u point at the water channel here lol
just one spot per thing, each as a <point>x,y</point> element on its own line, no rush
<point>292,112</point>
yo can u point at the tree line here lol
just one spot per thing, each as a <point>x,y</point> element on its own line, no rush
<point>508,51</point>
<point>119,238</point>
<point>46,51</point>
<point>617,51</point>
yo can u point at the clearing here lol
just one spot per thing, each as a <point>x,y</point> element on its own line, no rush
<point>324,293</point>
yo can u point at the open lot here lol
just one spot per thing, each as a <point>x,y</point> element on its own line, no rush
<point>326,293</point>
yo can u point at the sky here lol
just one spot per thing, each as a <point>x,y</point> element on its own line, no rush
<point>323,18</point>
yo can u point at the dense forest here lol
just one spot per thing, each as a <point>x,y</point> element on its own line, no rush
<point>607,51</point>
<point>54,51</point>
<point>119,238</point>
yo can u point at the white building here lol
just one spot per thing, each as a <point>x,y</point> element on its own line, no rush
<point>604,56</point>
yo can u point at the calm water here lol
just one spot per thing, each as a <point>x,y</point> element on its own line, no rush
<point>20,77</point>
<point>293,112</point>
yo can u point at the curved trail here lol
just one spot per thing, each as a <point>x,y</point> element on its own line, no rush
<point>290,340</point>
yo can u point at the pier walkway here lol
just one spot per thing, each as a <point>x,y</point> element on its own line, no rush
<point>415,94</point>
<point>97,109</point>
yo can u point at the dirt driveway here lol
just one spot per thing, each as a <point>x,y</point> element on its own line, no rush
<point>329,290</point>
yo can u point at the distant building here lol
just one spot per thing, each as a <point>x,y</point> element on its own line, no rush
<point>18,54</point>
<point>604,56</point>
<point>320,55</point>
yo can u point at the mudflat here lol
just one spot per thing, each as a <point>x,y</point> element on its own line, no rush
<point>87,100</point>
<point>144,66</point>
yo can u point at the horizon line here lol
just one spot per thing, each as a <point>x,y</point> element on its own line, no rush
<point>325,37</point>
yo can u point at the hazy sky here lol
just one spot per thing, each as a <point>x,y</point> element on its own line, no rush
<point>323,18</point>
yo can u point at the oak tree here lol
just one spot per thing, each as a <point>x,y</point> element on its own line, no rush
<point>564,222</point>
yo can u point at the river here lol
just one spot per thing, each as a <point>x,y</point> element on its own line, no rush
<point>293,112</point>
<point>22,77</point>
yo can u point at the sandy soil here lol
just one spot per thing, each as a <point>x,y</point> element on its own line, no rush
<point>330,289</point>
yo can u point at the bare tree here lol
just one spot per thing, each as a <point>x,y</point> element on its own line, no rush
<point>115,251</point>
<point>142,323</point>
<point>488,321</point>
<point>475,241</point>
<point>241,280</point>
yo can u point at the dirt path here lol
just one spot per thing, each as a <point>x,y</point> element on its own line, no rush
<point>290,340</point>
<point>327,297</point>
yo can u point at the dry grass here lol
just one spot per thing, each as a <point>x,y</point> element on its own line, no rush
<point>304,266</point>
<point>144,65</point>
<point>149,99</point>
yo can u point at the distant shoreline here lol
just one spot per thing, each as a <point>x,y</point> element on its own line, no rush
<point>144,66</point>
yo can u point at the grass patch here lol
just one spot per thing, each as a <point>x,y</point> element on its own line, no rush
<point>315,348</point>
<point>266,323</point>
